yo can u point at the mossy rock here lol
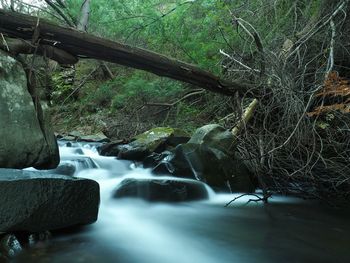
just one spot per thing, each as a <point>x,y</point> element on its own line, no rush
<point>27,136</point>
<point>207,157</point>
<point>215,136</point>
<point>153,138</point>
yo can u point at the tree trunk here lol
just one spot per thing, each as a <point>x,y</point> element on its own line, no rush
<point>86,45</point>
<point>84,16</point>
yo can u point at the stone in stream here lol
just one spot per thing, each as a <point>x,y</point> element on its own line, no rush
<point>154,140</point>
<point>63,169</point>
<point>27,139</point>
<point>35,201</point>
<point>80,137</point>
<point>161,190</point>
<point>207,157</point>
<point>98,137</point>
<point>214,136</point>
<point>36,238</point>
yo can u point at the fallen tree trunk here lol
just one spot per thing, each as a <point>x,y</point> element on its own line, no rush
<point>85,45</point>
<point>19,46</point>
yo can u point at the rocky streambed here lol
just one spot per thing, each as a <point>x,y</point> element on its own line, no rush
<point>160,218</point>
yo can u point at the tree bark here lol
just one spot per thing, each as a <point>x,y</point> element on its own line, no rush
<point>19,46</point>
<point>85,45</point>
<point>84,16</point>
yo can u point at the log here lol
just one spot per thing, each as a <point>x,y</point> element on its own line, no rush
<point>83,45</point>
<point>20,46</point>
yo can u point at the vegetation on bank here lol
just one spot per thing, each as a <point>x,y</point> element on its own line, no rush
<point>294,53</point>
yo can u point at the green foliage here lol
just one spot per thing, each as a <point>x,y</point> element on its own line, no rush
<point>193,31</point>
<point>61,89</point>
<point>102,96</point>
<point>141,88</point>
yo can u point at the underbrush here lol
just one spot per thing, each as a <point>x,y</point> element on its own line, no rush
<point>290,51</point>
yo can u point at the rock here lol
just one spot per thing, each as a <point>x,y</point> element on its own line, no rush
<point>37,238</point>
<point>29,139</point>
<point>154,159</point>
<point>207,157</point>
<point>76,134</point>
<point>79,136</point>
<point>162,190</point>
<point>82,163</point>
<point>214,136</point>
<point>154,140</point>
<point>157,137</point>
<point>36,202</point>
<point>132,152</point>
<point>78,151</point>
<point>68,138</point>
<point>110,149</point>
<point>64,169</point>
<point>198,162</point>
<point>9,246</point>
<point>99,137</point>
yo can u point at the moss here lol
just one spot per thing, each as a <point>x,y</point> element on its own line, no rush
<point>154,137</point>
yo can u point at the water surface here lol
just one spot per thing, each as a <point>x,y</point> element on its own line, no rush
<point>132,230</point>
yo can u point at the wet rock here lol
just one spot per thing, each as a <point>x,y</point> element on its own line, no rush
<point>110,149</point>
<point>198,162</point>
<point>64,169</point>
<point>214,136</point>
<point>36,202</point>
<point>162,190</point>
<point>78,151</point>
<point>154,159</point>
<point>154,140</point>
<point>132,152</point>
<point>68,138</point>
<point>38,238</point>
<point>75,134</point>
<point>9,246</point>
<point>80,162</point>
<point>29,139</point>
<point>207,157</point>
<point>99,137</point>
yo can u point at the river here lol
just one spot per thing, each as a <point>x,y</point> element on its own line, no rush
<point>131,230</point>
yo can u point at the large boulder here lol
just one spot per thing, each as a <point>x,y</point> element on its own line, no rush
<point>154,140</point>
<point>207,157</point>
<point>27,139</point>
<point>36,202</point>
<point>161,190</point>
<point>214,136</point>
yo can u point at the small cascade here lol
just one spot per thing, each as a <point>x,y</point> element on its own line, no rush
<point>133,230</point>
<point>112,172</point>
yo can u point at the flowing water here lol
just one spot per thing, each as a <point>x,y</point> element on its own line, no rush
<point>132,230</point>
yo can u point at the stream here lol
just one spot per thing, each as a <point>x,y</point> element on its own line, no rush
<point>131,230</point>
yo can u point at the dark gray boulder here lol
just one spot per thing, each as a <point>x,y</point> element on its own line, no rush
<point>27,138</point>
<point>207,157</point>
<point>214,136</point>
<point>162,190</point>
<point>65,168</point>
<point>36,202</point>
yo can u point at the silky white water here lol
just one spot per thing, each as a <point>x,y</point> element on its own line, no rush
<point>132,230</point>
